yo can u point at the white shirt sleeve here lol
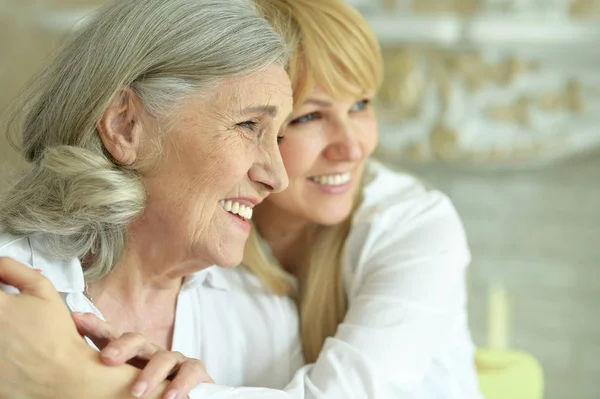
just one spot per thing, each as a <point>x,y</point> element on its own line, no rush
<point>405,334</point>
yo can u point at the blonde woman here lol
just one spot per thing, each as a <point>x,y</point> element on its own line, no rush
<point>378,260</point>
<point>375,261</point>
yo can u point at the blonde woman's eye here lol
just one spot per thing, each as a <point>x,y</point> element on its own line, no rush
<point>305,118</point>
<point>360,105</point>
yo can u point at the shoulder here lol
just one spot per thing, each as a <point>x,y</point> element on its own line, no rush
<point>403,231</point>
<point>65,274</point>
<point>16,247</point>
<point>399,205</point>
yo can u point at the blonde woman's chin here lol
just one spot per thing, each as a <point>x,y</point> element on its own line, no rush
<point>331,212</point>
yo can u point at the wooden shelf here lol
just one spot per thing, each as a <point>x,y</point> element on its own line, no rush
<point>496,31</point>
<point>441,30</point>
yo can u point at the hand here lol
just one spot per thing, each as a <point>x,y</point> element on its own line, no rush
<point>38,340</point>
<point>41,354</point>
<point>156,363</point>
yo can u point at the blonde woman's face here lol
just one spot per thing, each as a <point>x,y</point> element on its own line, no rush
<point>324,150</point>
<point>221,158</point>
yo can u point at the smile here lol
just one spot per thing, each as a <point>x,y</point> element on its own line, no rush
<point>236,208</point>
<point>332,180</point>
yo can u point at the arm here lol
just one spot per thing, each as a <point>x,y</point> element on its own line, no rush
<point>101,382</point>
<point>405,333</point>
<point>41,354</point>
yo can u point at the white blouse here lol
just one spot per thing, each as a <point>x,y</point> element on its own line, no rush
<point>245,335</point>
<point>405,334</point>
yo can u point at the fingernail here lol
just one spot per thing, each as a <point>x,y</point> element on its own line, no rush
<point>110,352</point>
<point>139,389</point>
<point>172,394</point>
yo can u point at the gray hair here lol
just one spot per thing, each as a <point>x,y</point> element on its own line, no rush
<point>73,192</point>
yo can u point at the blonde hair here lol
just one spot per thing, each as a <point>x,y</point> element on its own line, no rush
<point>73,191</point>
<point>334,48</point>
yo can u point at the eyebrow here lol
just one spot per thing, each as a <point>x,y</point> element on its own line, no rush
<point>269,110</point>
<point>320,103</point>
<point>324,103</point>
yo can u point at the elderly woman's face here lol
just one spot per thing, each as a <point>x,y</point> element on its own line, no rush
<point>221,158</point>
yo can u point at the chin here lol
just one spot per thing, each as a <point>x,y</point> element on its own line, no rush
<point>230,263</point>
<point>229,249</point>
<point>230,259</point>
<point>333,212</point>
<point>330,217</point>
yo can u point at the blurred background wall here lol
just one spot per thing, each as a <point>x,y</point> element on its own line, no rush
<point>497,103</point>
<point>29,31</point>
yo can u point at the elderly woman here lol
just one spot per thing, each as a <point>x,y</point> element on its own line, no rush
<point>150,139</point>
<point>375,260</point>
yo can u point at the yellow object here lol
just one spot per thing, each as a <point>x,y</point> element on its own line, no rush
<point>509,375</point>
<point>504,373</point>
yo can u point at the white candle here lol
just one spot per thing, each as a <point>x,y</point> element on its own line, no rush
<point>497,318</point>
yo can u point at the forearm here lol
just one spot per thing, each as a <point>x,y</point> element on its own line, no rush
<point>94,380</point>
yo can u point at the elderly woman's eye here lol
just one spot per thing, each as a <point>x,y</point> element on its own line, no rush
<point>250,125</point>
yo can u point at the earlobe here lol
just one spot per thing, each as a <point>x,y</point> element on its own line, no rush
<point>120,127</point>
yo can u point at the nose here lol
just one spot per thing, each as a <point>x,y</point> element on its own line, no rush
<point>270,172</point>
<point>345,145</point>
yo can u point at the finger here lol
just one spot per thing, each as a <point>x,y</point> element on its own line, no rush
<point>159,367</point>
<point>91,326</point>
<point>191,373</point>
<point>25,279</point>
<point>130,348</point>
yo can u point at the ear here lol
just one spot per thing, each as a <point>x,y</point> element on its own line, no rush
<point>120,127</point>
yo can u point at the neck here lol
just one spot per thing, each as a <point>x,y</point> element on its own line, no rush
<point>288,236</point>
<point>146,266</point>
<point>140,293</point>
<point>135,283</point>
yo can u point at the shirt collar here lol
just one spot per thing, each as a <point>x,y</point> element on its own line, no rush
<point>65,275</point>
<point>212,276</point>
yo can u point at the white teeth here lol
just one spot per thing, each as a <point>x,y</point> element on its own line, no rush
<point>236,208</point>
<point>333,180</point>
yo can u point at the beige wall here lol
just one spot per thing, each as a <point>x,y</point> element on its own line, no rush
<point>25,44</point>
